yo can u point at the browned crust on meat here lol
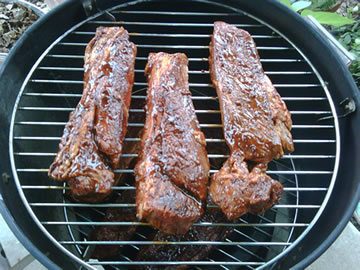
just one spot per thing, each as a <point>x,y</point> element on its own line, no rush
<point>173,168</point>
<point>91,144</point>
<point>255,118</point>
<point>256,124</point>
<point>238,191</point>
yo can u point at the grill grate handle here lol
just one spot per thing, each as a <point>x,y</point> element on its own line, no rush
<point>90,8</point>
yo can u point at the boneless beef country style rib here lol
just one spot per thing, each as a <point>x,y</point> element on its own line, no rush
<point>238,190</point>
<point>255,118</point>
<point>256,124</point>
<point>91,144</point>
<point>173,168</point>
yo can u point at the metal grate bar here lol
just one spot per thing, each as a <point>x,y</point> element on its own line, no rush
<point>46,123</point>
<point>61,68</point>
<point>64,109</point>
<point>256,228</point>
<point>35,170</point>
<point>200,243</point>
<point>190,84</point>
<point>191,59</point>
<point>165,46</point>
<point>192,97</point>
<point>212,156</point>
<point>41,138</point>
<point>171,13</point>
<point>177,263</point>
<point>133,188</point>
<point>189,72</point>
<point>167,24</point>
<point>232,257</point>
<point>132,205</point>
<point>260,230</point>
<point>138,223</point>
<point>249,251</point>
<point>92,33</point>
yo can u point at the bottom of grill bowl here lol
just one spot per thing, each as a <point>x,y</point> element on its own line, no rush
<point>282,237</point>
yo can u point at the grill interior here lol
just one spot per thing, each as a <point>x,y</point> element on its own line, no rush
<point>55,86</point>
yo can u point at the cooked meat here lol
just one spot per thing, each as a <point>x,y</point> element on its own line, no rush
<point>115,233</point>
<point>255,118</point>
<point>186,252</point>
<point>92,140</point>
<point>256,124</point>
<point>237,191</point>
<point>173,167</point>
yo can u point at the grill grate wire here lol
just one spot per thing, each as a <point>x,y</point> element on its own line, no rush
<point>55,88</point>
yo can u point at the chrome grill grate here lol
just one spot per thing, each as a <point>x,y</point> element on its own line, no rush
<point>54,87</point>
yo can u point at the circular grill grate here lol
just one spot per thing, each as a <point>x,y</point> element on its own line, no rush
<point>54,87</point>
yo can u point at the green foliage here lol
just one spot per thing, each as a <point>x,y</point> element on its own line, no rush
<point>300,5</point>
<point>349,37</point>
<point>355,71</point>
<point>322,4</point>
<point>286,3</point>
<point>345,28</point>
<point>306,8</point>
<point>328,18</point>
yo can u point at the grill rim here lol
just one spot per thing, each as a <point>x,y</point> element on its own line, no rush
<point>91,19</point>
<point>59,9</point>
<point>56,42</point>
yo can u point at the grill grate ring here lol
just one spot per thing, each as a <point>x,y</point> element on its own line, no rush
<point>55,88</point>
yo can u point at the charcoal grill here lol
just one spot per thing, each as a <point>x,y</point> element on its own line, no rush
<point>40,88</point>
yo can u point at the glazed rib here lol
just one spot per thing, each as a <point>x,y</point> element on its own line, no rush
<point>256,124</point>
<point>238,191</point>
<point>91,145</point>
<point>173,168</point>
<point>255,118</point>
